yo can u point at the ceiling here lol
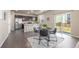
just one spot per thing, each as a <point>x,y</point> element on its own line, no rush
<point>30,12</point>
<point>34,13</point>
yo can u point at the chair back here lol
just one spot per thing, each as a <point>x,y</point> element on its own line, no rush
<point>55,30</point>
<point>43,32</point>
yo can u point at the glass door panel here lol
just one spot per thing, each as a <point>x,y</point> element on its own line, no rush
<point>58,22</point>
<point>63,23</point>
<point>66,23</point>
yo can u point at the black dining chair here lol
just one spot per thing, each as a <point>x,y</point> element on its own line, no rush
<point>54,33</point>
<point>45,34</point>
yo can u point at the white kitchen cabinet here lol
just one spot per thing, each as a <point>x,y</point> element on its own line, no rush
<point>28,27</point>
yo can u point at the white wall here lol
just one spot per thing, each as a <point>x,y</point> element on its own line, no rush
<point>75,23</point>
<point>8,17</point>
<point>12,21</point>
<point>49,15</point>
<point>41,18</point>
<point>4,27</point>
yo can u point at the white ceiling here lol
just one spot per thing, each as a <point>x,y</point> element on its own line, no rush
<point>31,12</point>
<point>37,12</point>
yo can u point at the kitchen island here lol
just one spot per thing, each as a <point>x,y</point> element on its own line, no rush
<point>28,27</point>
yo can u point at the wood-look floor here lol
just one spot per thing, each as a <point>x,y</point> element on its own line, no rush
<point>18,39</point>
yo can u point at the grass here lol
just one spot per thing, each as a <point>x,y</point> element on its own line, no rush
<point>65,29</point>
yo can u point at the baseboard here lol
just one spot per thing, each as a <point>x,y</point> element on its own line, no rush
<point>4,40</point>
<point>75,36</point>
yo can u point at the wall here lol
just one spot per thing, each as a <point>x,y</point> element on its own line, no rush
<point>75,23</point>
<point>12,21</point>
<point>49,15</point>
<point>8,17</point>
<point>4,27</point>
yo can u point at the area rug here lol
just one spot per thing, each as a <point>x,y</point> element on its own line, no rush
<point>43,44</point>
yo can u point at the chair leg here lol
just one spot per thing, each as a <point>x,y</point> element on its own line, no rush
<point>39,40</point>
<point>56,37</point>
<point>48,41</point>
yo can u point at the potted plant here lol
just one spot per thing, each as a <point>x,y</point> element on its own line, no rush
<point>44,26</point>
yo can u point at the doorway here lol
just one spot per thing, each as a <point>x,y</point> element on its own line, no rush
<point>62,23</point>
<point>21,20</point>
<point>18,23</point>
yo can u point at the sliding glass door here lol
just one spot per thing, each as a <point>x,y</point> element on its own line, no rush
<point>62,22</point>
<point>58,22</point>
<point>66,23</point>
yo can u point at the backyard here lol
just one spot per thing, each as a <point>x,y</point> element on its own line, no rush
<point>64,28</point>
